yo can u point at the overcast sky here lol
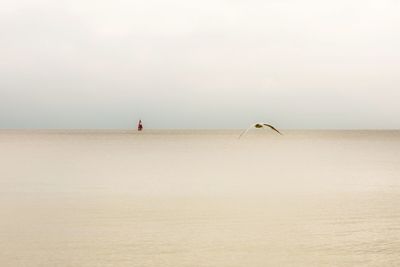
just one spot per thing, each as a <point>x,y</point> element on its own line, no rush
<point>199,64</point>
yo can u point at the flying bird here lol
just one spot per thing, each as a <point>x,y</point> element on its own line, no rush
<point>258,126</point>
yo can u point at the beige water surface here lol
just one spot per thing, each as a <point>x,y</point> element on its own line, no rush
<point>199,198</point>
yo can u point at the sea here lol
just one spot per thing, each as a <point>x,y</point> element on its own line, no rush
<point>175,198</point>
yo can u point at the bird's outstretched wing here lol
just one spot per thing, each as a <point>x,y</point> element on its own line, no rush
<point>273,128</point>
<point>245,131</point>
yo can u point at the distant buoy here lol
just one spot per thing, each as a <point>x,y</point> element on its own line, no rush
<point>140,126</point>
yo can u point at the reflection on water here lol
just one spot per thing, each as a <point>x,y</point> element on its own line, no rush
<point>200,199</point>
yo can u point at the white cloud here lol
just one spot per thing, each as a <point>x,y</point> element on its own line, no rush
<point>125,59</point>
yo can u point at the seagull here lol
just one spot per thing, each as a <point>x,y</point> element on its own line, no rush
<point>258,126</point>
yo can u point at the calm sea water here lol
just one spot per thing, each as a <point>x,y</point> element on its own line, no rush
<point>199,198</point>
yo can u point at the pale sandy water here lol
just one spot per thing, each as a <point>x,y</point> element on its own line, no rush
<point>199,198</point>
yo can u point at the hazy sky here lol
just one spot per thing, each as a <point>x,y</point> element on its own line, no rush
<point>199,64</point>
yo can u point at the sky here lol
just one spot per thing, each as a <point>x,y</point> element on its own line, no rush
<point>309,64</point>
